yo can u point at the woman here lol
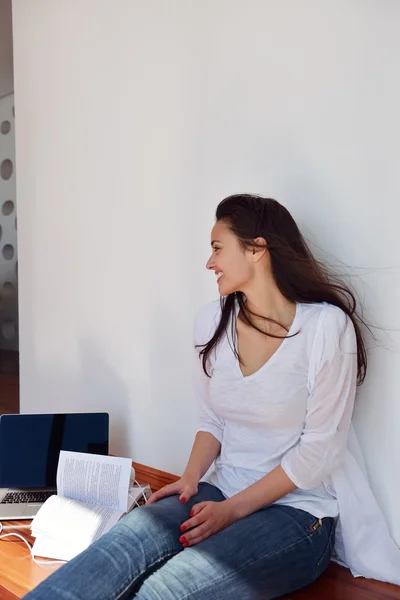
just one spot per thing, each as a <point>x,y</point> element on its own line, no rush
<point>280,358</point>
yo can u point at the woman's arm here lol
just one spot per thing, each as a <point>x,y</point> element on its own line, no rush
<point>205,450</point>
<point>265,491</point>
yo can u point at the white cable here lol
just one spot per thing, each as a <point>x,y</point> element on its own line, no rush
<point>38,562</point>
<point>142,490</point>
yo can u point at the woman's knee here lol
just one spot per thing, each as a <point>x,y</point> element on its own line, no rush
<point>160,521</point>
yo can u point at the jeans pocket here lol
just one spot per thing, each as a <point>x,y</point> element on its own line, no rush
<point>325,558</point>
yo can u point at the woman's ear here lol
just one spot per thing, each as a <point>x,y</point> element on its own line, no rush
<point>260,249</point>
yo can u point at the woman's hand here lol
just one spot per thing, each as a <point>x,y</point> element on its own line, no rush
<point>206,519</point>
<point>186,487</point>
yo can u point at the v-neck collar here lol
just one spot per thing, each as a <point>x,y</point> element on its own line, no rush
<point>272,358</point>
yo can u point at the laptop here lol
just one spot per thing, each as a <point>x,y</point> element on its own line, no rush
<point>29,451</point>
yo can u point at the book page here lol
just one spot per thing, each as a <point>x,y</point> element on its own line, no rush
<point>95,479</point>
<point>50,548</point>
<point>63,527</point>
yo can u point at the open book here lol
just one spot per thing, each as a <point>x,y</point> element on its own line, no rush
<point>93,493</point>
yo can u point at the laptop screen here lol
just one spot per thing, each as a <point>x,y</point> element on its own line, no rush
<point>30,445</point>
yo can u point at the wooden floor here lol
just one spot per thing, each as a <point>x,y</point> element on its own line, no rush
<point>339,584</point>
<point>336,584</point>
<point>9,382</point>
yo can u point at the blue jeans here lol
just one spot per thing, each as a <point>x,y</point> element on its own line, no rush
<point>271,552</point>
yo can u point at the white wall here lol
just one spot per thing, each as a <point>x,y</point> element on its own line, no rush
<point>6,49</point>
<point>134,120</point>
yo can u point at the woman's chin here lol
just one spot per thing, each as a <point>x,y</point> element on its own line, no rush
<point>225,290</point>
<point>221,288</point>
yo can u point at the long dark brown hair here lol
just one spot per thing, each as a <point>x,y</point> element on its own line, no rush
<point>298,274</point>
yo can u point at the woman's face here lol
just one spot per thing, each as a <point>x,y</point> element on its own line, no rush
<point>233,265</point>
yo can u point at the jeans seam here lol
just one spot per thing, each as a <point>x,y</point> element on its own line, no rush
<point>165,557</point>
<point>327,547</point>
<point>250,564</point>
<point>304,528</point>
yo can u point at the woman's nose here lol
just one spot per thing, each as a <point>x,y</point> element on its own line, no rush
<point>210,263</point>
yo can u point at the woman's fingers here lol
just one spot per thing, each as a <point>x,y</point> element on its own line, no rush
<point>167,490</point>
<point>197,508</point>
<point>193,522</point>
<point>182,488</point>
<point>187,493</point>
<point>199,533</point>
<point>196,517</point>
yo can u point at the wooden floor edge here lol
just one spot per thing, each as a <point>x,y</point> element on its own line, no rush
<point>156,478</point>
<point>7,595</point>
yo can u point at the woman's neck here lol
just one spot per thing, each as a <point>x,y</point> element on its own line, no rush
<point>268,301</point>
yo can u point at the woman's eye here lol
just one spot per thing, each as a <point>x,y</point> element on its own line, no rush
<point>215,248</point>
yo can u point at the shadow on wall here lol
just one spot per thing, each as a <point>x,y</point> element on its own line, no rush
<point>94,387</point>
<point>102,389</point>
<point>171,400</point>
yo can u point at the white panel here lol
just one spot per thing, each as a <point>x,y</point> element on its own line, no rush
<point>6,49</point>
<point>8,229</point>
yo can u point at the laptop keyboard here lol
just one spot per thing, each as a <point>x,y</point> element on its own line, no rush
<point>22,497</point>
